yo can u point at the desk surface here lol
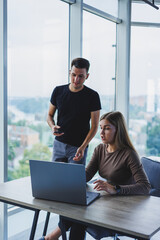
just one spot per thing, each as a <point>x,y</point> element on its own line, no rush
<point>138,216</point>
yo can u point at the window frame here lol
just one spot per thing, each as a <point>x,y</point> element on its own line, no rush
<point>3,112</point>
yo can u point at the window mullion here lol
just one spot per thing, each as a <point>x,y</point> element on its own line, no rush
<point>123,58</point>
<point>3,112</point>
<point>76,16</point>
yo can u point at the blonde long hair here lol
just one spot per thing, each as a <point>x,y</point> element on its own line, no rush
<point>122,139</point>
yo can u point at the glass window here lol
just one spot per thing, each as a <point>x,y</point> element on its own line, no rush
<point>37,62</point>
<point>99,49</point>
<point>144,122</point>
<point>109,6</point>
<point>145,13</point>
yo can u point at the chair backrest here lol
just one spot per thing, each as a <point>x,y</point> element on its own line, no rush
<point>152,169</point>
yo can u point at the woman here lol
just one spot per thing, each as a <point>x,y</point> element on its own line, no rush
<point>116,160</point>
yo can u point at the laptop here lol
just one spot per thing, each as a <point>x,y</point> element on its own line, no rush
<point>57,181</point>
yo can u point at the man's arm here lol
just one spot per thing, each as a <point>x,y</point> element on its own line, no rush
<point>94,126</point>
<point>51,122</point>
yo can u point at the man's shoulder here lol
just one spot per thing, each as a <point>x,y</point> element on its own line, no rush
<point>65,86</point>
<point>90,90</point>
<point>93,99</point>
<point>61,89</point>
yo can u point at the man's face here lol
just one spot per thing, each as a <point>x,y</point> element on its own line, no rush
<point>78,77</point>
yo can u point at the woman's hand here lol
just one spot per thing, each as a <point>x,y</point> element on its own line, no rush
<point>104,186</point>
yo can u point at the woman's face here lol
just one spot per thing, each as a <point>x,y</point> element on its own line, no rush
<point>108,132</point>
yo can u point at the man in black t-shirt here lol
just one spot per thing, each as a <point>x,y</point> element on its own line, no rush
<point>76,105</point>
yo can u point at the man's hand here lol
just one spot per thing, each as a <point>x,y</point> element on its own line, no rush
<point>56,130</point>
<point>104,186</point>
<point>79,154</point>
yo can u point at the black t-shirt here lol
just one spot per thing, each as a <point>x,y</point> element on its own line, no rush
<point>74,112</point>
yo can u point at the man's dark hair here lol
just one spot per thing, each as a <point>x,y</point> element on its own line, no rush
<point>80,63</point>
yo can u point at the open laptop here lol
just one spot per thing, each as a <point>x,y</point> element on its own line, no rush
<point>57,181</point>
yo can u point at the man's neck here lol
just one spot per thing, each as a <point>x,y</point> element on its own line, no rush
<point>74,89</point>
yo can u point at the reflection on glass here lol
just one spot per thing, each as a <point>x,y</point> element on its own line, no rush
<point>144,121</point>
<point>99,38</point>
<point>37,62</point>
<point>109,6</point>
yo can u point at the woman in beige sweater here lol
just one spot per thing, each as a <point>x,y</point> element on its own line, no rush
<point>116,160</point>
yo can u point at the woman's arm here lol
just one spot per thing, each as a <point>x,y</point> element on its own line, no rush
<point>92,166</point>
<point>141,185</point>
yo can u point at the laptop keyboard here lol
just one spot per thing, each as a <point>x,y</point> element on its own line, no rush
<point>90,196</point>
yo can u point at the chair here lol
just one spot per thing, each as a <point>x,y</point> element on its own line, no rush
<point>152,169</point>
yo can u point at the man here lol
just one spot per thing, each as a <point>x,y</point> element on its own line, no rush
<point>76,105</point>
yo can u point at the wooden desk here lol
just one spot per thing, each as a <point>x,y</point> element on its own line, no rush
<point>137,216</point>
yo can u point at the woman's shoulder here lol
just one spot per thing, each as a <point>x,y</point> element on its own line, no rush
<point>100,147</point>
<point>129,150</point>
<point>100,150</point>
<point>131,155</point>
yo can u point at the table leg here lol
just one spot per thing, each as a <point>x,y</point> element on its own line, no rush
<point>34,224</point>
<point>46,224</point>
